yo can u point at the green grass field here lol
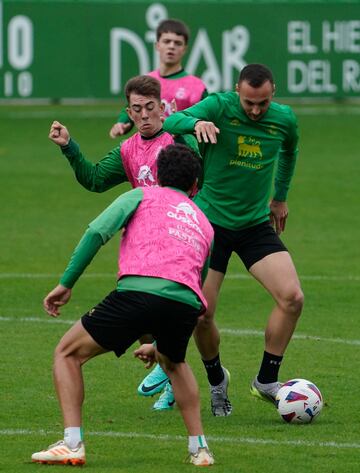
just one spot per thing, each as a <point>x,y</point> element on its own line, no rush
<point>43,215</point>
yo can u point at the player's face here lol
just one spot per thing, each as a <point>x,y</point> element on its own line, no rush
<point>255,101</point>
<point>146,113</point>
<point>171,48</point>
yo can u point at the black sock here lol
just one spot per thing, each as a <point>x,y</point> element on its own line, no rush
<point>214,370</point>
<point>269,369</point>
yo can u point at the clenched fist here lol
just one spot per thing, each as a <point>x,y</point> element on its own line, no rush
<point>59,134</point>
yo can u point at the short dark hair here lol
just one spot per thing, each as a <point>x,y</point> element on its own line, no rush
<point>143,85</point>
<point>256,75</point>
<point>178,166</point>
<point>173,26</point>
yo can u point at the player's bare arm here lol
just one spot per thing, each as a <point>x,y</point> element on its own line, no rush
<point>59,134</point>
<point>206,132</point>
<point>278,215</point>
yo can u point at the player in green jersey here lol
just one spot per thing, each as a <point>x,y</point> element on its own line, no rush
<point>246,138</point>
<point>142,300</point>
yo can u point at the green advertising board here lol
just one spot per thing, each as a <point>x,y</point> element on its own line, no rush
<point>88,49</point>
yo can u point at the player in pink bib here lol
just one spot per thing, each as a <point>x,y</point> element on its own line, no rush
<point>134,160</point>
<point>163,261</point>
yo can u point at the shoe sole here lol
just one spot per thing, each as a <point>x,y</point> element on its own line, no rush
<point>202,464</point>
<point>165,408</point>
<point>157,409</point>
<point>69,461</point>
<point>262,396</point>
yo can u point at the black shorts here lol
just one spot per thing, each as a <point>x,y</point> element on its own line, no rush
<point>250,244</point>
<point>123,317</point>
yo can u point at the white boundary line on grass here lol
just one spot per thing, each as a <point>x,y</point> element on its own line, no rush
<point>39,320</point>
<point>42,114</point>
<point>212,438</point>
<point>45,114</point>
<point>225,331</point>
<point>296,336</point>
<point>314,277</point>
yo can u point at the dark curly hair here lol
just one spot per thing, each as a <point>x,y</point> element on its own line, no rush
<point>178,166</point>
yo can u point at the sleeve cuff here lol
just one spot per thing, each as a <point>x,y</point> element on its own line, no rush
<point>71,149</point>
<point>281,195</point>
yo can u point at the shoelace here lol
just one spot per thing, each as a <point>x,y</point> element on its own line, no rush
<point>56,444</point>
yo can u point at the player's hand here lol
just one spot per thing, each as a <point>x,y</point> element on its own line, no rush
<point>206,132</point>
<point>146,353</point>
<point>278,215</point>
<point>173,106</point>
<point>119,129</point>
<point>59,134</point>
<point>55,299</point>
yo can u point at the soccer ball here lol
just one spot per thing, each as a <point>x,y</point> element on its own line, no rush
<point>299,401</point>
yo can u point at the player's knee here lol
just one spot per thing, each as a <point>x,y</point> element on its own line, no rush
<point>64,352</point>
<point>206,320</point>
<point>293,301</point>
<point>166,364</point>
<point>59,351</point>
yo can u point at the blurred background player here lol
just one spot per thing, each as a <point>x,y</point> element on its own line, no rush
<point>179,90</point>
<point>152,296</point>
<point>134,160</point>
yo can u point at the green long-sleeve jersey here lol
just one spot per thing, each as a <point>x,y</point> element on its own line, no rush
<point>238,170</point>
<point>109,171</point>
<point>101,230</point>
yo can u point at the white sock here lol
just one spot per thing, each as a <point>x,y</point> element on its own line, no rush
<point>196,442</point>
<point>73,436</point>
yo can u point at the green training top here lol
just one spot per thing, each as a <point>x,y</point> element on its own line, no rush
<point>101,230</point>
<point>238,170</point>
<point>109,171</point>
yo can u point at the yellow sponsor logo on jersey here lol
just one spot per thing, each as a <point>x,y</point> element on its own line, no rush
<point>249,147</point>
<point>245,164</point>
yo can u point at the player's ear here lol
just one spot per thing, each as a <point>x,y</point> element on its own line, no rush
<point>237,87</point>
<point>274,89</point>
<point>193,188</point>
<point>128,111</point>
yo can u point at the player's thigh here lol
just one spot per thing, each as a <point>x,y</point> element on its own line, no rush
<point>255,243</point>
<point>172,324</point>
<point>277,273</point>
<point>219,260</point>
<point>118,320</point>
<point>77,342</point>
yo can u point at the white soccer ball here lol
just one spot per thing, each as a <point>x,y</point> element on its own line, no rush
<point>299,401</point>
